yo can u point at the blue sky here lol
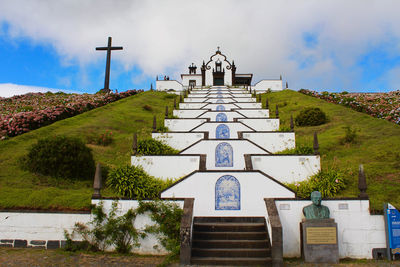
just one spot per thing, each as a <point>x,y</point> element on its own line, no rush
<point>321,45</point>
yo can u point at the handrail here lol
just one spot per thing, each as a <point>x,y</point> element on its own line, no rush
<point>276,239</point>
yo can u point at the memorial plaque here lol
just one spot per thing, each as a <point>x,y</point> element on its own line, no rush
<point>321,235</point>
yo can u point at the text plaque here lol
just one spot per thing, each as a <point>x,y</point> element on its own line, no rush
<point>321,235</point>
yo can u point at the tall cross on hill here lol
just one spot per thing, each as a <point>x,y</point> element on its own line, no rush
<point>108,48</point>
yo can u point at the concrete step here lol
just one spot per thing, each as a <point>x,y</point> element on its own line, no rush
<point>230,235</point>
<point>228,227</point>
<point>265,261</point>
<point>230,252</point>
<point>229,243</point>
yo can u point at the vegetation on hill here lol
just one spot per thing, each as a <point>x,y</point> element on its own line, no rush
<point>372,142</point>
<point>22,189</point>
<point>348,139</point>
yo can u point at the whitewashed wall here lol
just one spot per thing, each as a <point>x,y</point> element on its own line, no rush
<point>249,105</point>
<point>167,166</point>
<point>148,245</point>
<point>226,100</point>
<point>230,115</point>
<point>209,75</point>
<point>38,225</point>
<point>178,140</point>
<point>167,85</point>
<point>194,99</point>
<point>240,147</point>
<point>226,106</point>
<point>272,141</point>
<point>254,186</point>
<point>358,231</point>
<point>264,85</point>
<point>191,105</point>
<point>187,77</point>
<point>197,94</point>
<point>188,113</point>
<point>211,127</point>
<point>264,125</point>
<point>254,113</point>
<point>181,125</point>
<point>287,168</point>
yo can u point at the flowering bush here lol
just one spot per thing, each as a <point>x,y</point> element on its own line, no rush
<point>23,113</point>
<point>379,105</point>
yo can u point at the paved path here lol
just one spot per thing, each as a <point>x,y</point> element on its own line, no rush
<point>47,258</point>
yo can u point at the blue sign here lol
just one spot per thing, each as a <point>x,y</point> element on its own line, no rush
<point>221,117</point>
<point>222,132</point>
<point>224,155</point>
<point>227,193</point>
<point>393,221</point>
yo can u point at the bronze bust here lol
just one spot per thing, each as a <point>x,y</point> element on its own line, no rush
<point>316,210</point>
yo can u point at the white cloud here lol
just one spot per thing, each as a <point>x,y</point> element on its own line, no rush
<point>10,89</point>
<point>263,37</point>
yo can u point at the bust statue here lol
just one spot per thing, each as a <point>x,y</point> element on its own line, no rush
<point>316,210</point>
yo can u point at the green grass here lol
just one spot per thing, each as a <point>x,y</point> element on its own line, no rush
<point>377,145</point>
<point>21,189</point>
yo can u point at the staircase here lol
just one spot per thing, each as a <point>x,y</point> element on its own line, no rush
<point>230,241</point>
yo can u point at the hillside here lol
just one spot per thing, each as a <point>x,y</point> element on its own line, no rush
<point>377,147</point>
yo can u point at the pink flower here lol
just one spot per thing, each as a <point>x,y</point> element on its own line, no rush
<point>337,181</point>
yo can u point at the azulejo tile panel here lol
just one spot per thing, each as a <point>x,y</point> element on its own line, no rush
<point>227,193</point>
<point>224,155</point>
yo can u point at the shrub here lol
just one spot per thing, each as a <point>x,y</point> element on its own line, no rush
<point>298,150</point>
<point>350,135</point>
<point>147,107</point>
<point>311,117</point>
<point>328,182</point>
<point>103,139</point>
<point>135,183</point>
<point>60,157</point>
<point>154,147</point>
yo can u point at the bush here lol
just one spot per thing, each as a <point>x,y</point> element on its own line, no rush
<point>154,147</point>
<point>329,183</point>
<point>350,135</point>
<point>60,157</point>
<point>135,183</point>
<point>147,108</point>
<point>103,139</point>
<point>311,117</point>
<point>298,150</point>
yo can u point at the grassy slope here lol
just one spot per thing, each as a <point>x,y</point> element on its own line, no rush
<point>377,147</point>
<point>19,188</point>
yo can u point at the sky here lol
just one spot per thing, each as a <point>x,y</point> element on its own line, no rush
<point>316,44</point>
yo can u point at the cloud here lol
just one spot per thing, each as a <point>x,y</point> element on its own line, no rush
<point>10,89</point>
<point>266,38</point>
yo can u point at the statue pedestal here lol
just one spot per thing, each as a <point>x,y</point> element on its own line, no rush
<point>319,241</point>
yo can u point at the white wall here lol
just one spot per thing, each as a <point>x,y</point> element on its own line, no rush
<point>264,85</point>
<point>240,147</point>
<point>212,115</point>
<point>181,125</point>
<point>287,168</point>
<point>176,140</point>
<point>254,113</point>
<point>147,245</point>
<point>226,106</point>
<point>194,99</point>
<point>191,105</point>
<point>272,141</point>
<point>249,105</point>
<point>358,231</point>
<point>211,128</point>
<point>261,124</point>
<point>209,75</point>
<point>166,166</point>
<point>166,85</point>
<point>188,113</point>
<point>37,225</point>
<point>186,78</point>
<point>253,185</point>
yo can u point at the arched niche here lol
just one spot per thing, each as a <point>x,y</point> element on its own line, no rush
<point>227,193</point>
<point>224,155</point>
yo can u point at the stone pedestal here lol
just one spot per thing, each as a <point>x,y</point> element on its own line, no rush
<point>319,241</point>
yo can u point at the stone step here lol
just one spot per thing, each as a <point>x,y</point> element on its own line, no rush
<point>228,227</point>
<point>230,219</point>
<point>230,235</point>
<point>232,261</point>
<point>230,252</point>
<point>230,243</point>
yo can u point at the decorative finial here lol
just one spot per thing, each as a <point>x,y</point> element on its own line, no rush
<point>154,124</point>
<point>180,98</point>
<point>316,145</point>
<point>166,112</point>
<point>151,87</point>
<point>362,182</point>
<point>218,49</point>
<point>266,103</point>
<point>287,86</point>
<point>291,123</point>
<point>280,77</point>
<point>175,103</point>
<point>277,111</point>
<point>97,182</point>
<point>134,144</point>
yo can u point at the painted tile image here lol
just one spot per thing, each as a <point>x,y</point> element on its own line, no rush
<point>227,193</point>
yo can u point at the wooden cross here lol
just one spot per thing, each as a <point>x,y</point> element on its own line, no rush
<point>108,48</point>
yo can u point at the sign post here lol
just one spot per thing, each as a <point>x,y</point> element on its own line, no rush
<point>392,225</point>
